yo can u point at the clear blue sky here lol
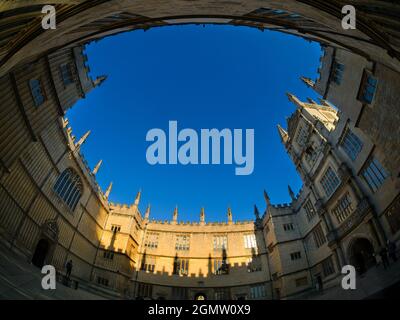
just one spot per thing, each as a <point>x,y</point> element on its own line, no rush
<point>203,77</point>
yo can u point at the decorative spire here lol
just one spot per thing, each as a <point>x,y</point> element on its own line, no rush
<point>256,212</point>
<point>311,101</point>
<point>267,199</point>
<point>175,215</point>
<point>137,199</point>
<point>97,167</point>
<point>229,214</point>
<point>202,215</point>
<point>83,139</point>
<point>147,213</point>
<point>107,193</point>
<point>295,100</point>
<point>283,134</point>
<point>99,80</point>
<point>65,122</point>
<point>325,103</point>
<point>308,82</point>
<point>291,193</point>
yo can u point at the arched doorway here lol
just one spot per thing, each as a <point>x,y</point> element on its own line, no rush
<point>41,251</point>
<point>200,296</point>
<point>362,255</point>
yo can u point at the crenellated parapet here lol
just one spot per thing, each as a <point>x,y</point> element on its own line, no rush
<point>281,205</point>
<point>197,223</point>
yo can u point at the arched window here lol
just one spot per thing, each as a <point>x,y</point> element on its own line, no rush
<point>69,188</point>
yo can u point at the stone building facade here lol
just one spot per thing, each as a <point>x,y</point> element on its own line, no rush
<point>38,152</point>
<point>79,21</point>
<point>365,93</point>
<point>53,211</point>
<point>345,148</point>
<point>226,260</point>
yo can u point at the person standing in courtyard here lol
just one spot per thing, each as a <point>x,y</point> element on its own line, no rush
<point>392,250</point>
<point>69,269</point>
<point>320,284</point>
<point>384,257</point>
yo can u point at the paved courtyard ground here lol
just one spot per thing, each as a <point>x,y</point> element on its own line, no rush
<point>376,283</point>
<point>21,280</point>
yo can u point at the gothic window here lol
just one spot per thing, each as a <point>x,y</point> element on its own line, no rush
<point>222,294</point>
<point>337,73</point>
<point>179,293</point>
<point>250,241</point>
<point>302,136</point>
<point>285,16</point>
<point>66,73</point>
<point>108,255</point>
<point>148,264</point>
<point>115,228</point>
<point>330,181</point>
<point>374,174</point>
<point>145,290</point>
<point>151,240</point>
<point>69,188</point>
<point>288,227</point>
<point>328,267</point>
<point>343,208</point>
<point>37,92</point>
<point>295,255</point>
<point>220,242</point>
<point>310,210</point>
<point>182,243</point>
<point>102,281</point>
<point>319,236</point>
<point>351,144</point>
<point>181,267</point>
<point>257,291</point>
<point>367,88</point>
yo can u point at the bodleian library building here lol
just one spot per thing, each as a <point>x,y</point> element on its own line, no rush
<point>345,147</point>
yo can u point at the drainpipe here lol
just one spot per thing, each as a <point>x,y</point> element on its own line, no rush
<point>308,261</point>
<point>137,269</point>
<point>269,266</point>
